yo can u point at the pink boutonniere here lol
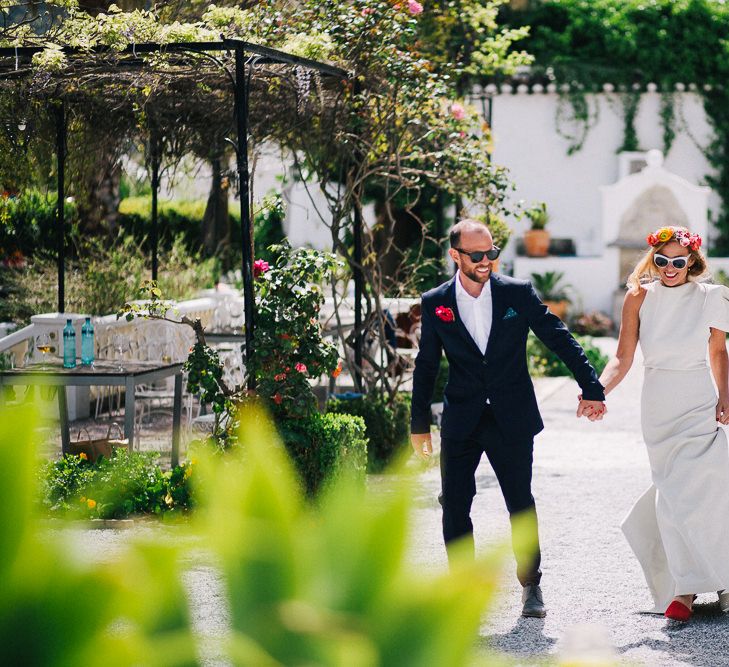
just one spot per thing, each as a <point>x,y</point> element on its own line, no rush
<point>445,314</point>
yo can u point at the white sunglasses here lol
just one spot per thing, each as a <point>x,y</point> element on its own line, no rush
<point>661,261</point>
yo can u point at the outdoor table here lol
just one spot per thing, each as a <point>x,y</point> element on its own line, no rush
<point>102,373</point>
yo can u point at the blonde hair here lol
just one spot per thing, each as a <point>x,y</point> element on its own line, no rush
<point>645,270</point>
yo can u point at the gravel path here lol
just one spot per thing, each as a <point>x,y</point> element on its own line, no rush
<point>586,477</point>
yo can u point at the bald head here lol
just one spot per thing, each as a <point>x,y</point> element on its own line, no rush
<point>468,225</point>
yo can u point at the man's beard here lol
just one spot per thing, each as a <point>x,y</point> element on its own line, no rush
<point>476,277</point>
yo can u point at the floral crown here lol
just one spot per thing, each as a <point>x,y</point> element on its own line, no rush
<point>683,236</point>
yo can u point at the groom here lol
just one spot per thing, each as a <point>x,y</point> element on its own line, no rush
<point>481,321</point>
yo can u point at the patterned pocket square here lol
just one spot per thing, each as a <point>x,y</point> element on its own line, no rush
<point>509,314</point>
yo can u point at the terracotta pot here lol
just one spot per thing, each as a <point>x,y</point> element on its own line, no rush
<point>559,308</point>
<point>536,242</point>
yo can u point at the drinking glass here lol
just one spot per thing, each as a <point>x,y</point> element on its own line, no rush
<point>120,344</point>
<point>44,345</point>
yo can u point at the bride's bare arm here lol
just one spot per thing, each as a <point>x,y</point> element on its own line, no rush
<point>618,367</point>
<point>719,360</point>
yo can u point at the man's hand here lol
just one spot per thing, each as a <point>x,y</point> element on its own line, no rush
<point>593,410</point>
<point>422,445</point>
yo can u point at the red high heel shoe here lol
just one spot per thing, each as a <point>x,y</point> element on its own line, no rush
<point>677,611</point>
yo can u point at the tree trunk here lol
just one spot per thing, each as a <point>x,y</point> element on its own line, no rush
<point>216,221</point>
<point>100,211</point>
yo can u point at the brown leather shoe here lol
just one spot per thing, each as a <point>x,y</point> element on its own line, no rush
<point>531,597</point>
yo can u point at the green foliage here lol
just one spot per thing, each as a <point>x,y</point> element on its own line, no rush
<point>115,488</point>
<point>387,423</point>
<point>43,579</point>
<point>538,215</point>
<point>325,583</point>
<point>105,275</point>
<point>627,42</point>
<point>290,348</point>
<point>323,447</point>
<point>178,219</point>
<point>181,221</point>
<point>330,583</point>
<point>268,226</point>
<point>542,361</point>
<point>550,286</point>
<point>28,223</point>
<point>500,231</point>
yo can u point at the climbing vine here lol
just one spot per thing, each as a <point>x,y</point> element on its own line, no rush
<point>630,43</point>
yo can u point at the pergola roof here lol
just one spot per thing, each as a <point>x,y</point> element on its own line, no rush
<point>191,85</point>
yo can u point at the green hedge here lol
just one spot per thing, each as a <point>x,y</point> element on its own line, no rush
<point>28,223</point>
<point>183,219</point>
<point>324,446</point>
<point>388,426</point>
<point>542,361</point>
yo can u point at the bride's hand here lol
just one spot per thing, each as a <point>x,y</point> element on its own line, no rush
<point>722,410</point>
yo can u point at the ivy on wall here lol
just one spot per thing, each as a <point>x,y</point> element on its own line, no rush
<point>629,43</point>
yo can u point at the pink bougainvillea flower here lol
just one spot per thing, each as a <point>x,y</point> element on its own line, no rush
<point>300,367</point>
<point>260,267</point>
<point>280,377</point>
<point>457,111</point>
<point>414,7</point>
<point>277,398</point>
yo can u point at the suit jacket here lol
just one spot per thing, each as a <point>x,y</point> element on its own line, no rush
<point>500,375</point>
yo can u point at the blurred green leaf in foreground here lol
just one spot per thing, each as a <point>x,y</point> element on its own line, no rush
<point>324,583</point>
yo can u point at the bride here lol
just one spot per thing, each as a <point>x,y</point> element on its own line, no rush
<point>679,528</point>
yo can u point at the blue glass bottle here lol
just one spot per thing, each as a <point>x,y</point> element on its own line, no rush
<point>87,343</point>
<point>69,345</point>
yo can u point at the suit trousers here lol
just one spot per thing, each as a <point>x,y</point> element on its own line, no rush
<point>512,464</point>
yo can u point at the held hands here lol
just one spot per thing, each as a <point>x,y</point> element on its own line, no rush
<point>722,410</point>
<point>422,445</point>
<point>596,410</point>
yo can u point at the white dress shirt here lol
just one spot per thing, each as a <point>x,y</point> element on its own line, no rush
<point>476,312</point>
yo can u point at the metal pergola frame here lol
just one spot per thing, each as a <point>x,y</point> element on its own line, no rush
<point>247,56</point>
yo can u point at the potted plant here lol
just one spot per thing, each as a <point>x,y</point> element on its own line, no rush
<point>500,232</point>
<point>536,239</point>
<point>552,291</point>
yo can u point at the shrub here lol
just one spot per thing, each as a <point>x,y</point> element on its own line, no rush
<point>177,220</point>
<point>542,361</point>
<point>592,324</point>
<point>182,220</point>
<point>324,446</point>
<point>114,488</point>
<point>326,583</point>
<point>107,275</point>
<point>387,424</point>
<point>28,223</point>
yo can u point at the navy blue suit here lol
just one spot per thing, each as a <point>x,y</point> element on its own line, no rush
<point>489,401</point>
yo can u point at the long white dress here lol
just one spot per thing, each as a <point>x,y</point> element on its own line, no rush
<point>679,528</point>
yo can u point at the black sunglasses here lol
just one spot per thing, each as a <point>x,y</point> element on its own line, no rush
<point>478,255</point>
<point>662,261</point>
